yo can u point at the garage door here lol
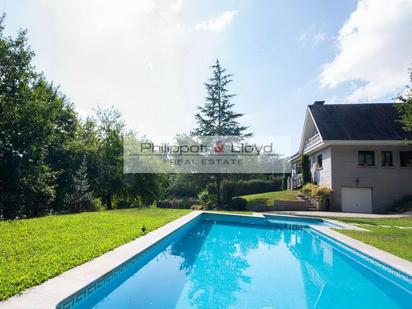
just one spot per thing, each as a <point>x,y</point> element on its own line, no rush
<point>357,200</point>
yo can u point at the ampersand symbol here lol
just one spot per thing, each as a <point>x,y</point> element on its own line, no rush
<point>219,147</point>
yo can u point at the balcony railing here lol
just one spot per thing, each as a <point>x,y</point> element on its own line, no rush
<point>315,139</point>
<point>295,182</point>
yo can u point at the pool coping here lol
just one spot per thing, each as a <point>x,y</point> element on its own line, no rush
<point>53,291</point>
<point>334,223</point>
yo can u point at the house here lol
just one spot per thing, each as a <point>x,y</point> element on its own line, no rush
<point>358,150</point>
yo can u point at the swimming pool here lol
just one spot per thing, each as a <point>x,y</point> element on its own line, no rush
<point>221,261</point>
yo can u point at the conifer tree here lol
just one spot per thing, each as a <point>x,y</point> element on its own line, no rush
<point>216,116</point>
<point>80,198</point>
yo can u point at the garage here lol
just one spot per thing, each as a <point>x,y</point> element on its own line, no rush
<point>356,199</point>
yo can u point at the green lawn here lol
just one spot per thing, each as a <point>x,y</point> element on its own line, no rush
<point>34,250</point>
<point>391,239</point>
<point>268,198</point>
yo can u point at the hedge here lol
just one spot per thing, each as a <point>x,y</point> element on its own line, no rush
<point>178,203</point>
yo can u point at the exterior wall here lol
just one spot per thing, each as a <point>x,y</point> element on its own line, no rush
<point>388,184</point>
<point>322,176</point>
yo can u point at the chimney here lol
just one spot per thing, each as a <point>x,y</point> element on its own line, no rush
<point>318,102</point>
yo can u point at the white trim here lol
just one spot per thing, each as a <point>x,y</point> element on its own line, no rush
<point>327,143</point>
<point>303,132</point>
<point>302,149</point>
<point>314,122</point>
<point>367,142</point>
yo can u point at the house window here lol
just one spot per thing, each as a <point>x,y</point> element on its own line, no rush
<point>405,158</point>
<point>387,159</point>
<point>298,169</point>
<point>366,158</point>
<point>319,161</point>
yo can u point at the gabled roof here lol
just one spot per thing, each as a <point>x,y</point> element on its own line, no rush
<point>370,121</point>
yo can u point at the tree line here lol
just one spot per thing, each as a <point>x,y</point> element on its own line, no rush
<point>51,160</point>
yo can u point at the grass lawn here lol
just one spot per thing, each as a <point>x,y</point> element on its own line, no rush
<point>391,239</point>
<point>268,198</point>
<point>34,250</point>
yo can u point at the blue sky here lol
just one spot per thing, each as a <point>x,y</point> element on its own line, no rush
<point>150,58</point>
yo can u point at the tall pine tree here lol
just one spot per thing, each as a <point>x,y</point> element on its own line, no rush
<point>216,116</point>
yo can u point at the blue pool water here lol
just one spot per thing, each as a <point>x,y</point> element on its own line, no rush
<point>218,262</point>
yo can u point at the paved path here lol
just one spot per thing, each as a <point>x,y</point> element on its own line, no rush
<point>339,214</point>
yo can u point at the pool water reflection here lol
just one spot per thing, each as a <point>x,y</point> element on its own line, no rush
<point>219,264</point>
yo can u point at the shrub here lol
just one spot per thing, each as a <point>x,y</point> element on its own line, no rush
<point>208,198</point>
<point>403,205</point>
<point>237,203</point>
<point>185,203</point>
<point>321,193</point>
<point>307,189</point>
<point>306,174</point>
<point>97,204</point>
<point>284,184</point>
<point>197,207</point>
<point>124,202</point>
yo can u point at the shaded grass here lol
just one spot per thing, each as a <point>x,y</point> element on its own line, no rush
<point>268,198</point>
<point>34,250</point>
<point>391,239</point>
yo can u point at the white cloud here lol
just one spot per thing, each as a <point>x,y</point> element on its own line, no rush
<point>318,37</point>
<point>139,56</point>
<point>374,48</point>
<point>219,23</point>
<point>177,6</point>
<point>312,37</point>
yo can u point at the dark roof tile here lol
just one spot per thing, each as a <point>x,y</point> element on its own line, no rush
<point>371,121</point>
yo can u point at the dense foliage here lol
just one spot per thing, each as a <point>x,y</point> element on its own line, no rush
<point>43,144</point>
<point>35,250</point>
<point>405,108</point>
<point>306,174</point>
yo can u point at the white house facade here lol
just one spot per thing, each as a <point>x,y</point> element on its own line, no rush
<point>360,151</point>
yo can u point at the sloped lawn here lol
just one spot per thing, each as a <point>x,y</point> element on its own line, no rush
<point>34,250</point>
<point>268,198</point>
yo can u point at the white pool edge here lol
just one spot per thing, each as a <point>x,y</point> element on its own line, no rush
<point>50,293</point>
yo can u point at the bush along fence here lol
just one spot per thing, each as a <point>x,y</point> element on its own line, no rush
<point>185,203</point>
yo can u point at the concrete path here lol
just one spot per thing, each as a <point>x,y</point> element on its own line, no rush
<point>338,214</point>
